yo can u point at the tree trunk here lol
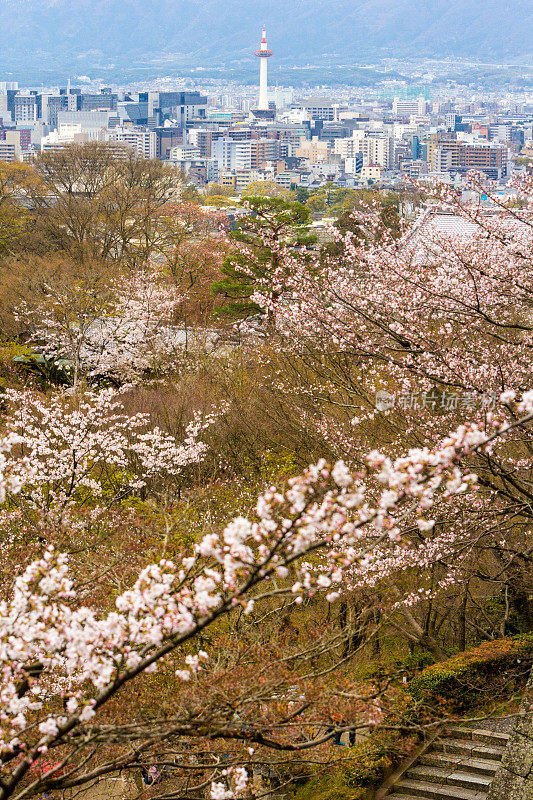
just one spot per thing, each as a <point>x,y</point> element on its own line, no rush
<point>461,633</point>
<point>416,632</point>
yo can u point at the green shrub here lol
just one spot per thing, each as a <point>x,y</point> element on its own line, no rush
<point>460,679</point>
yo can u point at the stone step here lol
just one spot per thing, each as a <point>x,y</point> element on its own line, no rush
<point>478,735</point>
<point>465,762</point>
<point>447,777</point>
<point>469,748</point>
<point>395,796</point>
<point>434,791</point>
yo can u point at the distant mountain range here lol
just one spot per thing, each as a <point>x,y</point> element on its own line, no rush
<point>88,35</point>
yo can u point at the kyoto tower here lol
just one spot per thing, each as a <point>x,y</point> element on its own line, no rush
<point>263,53</point>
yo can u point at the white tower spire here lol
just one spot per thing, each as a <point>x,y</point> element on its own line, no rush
<point>263,53</point>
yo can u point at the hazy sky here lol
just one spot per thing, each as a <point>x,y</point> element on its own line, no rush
<point>53,33</point>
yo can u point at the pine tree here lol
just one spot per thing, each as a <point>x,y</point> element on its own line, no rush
<point>274,225</point>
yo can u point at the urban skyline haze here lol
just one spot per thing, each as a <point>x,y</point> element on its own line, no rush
<point>114,38</point>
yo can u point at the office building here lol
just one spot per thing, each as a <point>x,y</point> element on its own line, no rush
<point>406,108</point>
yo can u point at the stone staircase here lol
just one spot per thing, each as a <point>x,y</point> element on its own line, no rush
<point>459,765</point>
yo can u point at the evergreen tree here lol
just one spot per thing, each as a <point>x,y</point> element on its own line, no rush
<point>273,226</point>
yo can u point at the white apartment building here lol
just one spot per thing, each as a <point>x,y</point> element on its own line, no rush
<point>376,148</point>
<point>71,134</point>
<point>27,107</point>
<point>238,156</point>
<point>201,138</point>
<point>346,148</point>
<point>5,112</point>
<point>371,172</point>
<point>184,152</point>
<point>142,141</point>
<point>69,130</point>
<point>401,130</point>
<point>287,179</point>
<point>211,170</point>
<point>378,151</point>
<point>353,164</point>
<point>500,132</point>
<point>244,177</point>
<point>232,156</point>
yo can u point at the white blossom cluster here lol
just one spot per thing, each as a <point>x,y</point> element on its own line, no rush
<point>120,336</point>
<point>64,450</point>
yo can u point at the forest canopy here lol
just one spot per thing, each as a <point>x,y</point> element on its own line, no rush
<point>253,484</point>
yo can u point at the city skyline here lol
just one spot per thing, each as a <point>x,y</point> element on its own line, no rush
<point>422,124</point>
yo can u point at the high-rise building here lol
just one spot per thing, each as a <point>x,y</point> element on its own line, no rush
<point>181,107</point>
<point>445,153</point>
<point>488,158</point>
<point>88,120</point>
<point>234,156</point>
<point>167,137</point>
<point>51,105</point>
<point>378,151</point>
<point>98,102</point>
<point>7,103</point>
<point>314,150</point>
<point>438,147</point>
<point>500,132</point>
<point>201,138</point>
<point>27,107</point>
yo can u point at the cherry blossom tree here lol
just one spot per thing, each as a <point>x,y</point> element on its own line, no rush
<point>65,662</point>
<point>119,332</point>
<point>400,339</point>
<point>446,310</point>
<point>86,452</point>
